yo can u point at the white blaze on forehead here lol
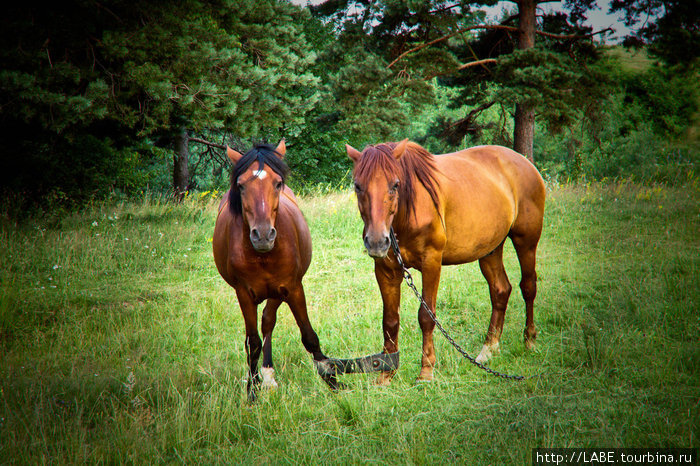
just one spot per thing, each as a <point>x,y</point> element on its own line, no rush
<point>260,174</point>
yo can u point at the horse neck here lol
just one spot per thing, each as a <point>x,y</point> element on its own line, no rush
<point>419,211</point>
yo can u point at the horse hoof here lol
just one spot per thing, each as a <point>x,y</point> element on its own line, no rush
<point>384,380</point>
<point>483,358</point>
<point>487,352</point>
<point>426,375</point>
<point>252,396</point>
<point>268,378</point>
<point>530,339</point>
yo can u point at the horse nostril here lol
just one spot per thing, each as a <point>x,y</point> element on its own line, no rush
<point>272,235</point>
<point>255,234</point>
<point>366,242</point>
<point>386,241</point>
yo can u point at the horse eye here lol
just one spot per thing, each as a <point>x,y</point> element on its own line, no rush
<point>394,188</point>
<point>358,188</point>
<point>278,186</point>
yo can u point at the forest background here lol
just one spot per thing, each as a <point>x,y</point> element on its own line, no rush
<point>114,98</point>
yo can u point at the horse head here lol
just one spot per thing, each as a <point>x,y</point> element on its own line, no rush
<point>377,177</point>
<point>257,181</point>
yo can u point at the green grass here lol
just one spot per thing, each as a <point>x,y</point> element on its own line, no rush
<point>119,342</point>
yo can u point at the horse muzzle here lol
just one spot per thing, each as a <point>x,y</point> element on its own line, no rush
<point>263,238</point>
<point>377,246</point>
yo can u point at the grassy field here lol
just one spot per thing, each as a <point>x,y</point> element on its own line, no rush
<point>119,342</point>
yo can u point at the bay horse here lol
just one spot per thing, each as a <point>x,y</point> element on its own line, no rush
<point>448,209</point>
<point>262,248</point>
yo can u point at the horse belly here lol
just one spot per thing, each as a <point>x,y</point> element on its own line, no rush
<point>479,212</point>
<point>466,244</point>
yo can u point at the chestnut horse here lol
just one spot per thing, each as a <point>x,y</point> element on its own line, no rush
<point>448,209</point>
<point>262,248</point>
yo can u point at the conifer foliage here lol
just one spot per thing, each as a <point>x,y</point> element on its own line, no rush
<point>91,91</point>
<point>119,96</point>
<point>421,41</point>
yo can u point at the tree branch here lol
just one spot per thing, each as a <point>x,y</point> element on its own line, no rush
<point>440,39</point>
<point>462,67</point>
<point>446,8</point>
<point>571,36</point>
<point>492,26</point>
<point>457,130</point>
<point>210,144</point>
<point>477,63</point>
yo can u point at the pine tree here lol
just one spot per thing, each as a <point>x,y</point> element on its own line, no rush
<point>121,74</point>
<point>671,28</point>
<point>422,40</point>
<point>239,66</point>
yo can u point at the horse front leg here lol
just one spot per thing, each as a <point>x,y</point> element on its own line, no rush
<point>297,303</point>
<point>389,281</point>
<point>253,344</point>
<point>269,319</point>
<point>431,268</point>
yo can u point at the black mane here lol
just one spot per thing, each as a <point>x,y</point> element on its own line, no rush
<point>265,154</point>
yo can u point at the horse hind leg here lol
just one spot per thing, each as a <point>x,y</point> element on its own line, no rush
<point>269,319</point>
<point>526,251</point>
<point>499,291</point>
<point>525,235</point>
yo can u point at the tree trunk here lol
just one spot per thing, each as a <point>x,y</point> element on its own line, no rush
<point>524,131</point>
<point>181,171</point>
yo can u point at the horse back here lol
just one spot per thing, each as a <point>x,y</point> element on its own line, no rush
<point>493,167</point>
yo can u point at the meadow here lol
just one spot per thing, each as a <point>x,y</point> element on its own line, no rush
<point>120,343</point>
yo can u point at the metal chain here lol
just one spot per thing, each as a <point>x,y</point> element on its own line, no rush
<point>409,281</point>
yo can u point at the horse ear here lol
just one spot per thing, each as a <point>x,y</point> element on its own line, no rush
<point>400,148</point>
<point>353,153</point>
<point>281,148</point>
<point>233,155</point>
